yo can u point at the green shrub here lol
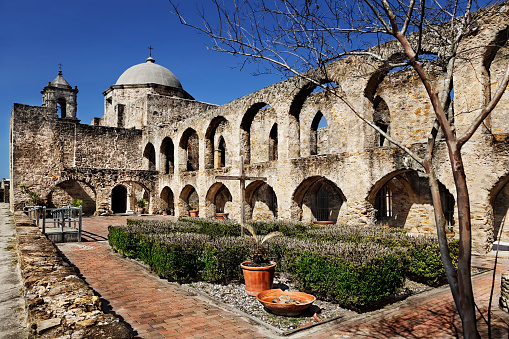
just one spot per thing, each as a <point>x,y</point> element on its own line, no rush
<point>425,264</point>
<point>222,260</point>
<point>123,241</point>
<point>358,286</point>
<point>356,266</point>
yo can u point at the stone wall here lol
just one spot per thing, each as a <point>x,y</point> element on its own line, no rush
<point>58,302</point>
<point>347,157</point>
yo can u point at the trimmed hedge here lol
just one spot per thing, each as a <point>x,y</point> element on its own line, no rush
<point>425,263</point>
<point>358,267</point>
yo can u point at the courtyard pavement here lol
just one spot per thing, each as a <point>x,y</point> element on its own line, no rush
<point>156,308</point>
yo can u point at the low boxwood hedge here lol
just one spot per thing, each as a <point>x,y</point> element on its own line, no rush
<point>358,267</point>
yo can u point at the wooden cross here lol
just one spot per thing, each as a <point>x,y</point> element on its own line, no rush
<point>242,178</point>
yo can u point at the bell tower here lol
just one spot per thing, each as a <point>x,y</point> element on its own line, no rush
<point>59,94</point>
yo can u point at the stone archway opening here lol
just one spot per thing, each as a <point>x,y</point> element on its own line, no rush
<point>66,192</point>
<point>167,200</point>
<point>188,200</point>
<point>262,201</point>
<point>318,198</point>
<point>403,200</point>
<point>119,199</point>
<point>218,200</point>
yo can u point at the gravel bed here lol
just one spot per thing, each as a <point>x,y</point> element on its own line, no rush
<point>235,296</point>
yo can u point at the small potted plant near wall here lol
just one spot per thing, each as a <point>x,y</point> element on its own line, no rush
<point>141,205</point>
<point>259,272</point>
<point>193,213</point>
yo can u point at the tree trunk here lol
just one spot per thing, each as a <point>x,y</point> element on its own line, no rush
<point>466,306</point>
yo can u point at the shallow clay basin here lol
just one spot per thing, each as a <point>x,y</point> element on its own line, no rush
<point>290,308</point>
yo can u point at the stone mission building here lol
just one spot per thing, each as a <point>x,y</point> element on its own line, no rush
<point>157,142</point>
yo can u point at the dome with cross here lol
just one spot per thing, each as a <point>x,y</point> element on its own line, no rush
<point>149,73</point>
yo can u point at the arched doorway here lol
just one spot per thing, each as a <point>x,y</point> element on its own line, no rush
<point>119,199</point>
<point>167,198</point>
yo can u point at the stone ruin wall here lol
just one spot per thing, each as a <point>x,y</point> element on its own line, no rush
<point>351,162</point>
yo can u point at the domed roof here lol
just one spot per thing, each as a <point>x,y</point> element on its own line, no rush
<point>148,73</point>
<point>60,81</point>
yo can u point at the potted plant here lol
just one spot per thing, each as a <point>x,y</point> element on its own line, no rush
<point>76,203</point>
<point>165,211</point>
<point>259,272</point>
<point>141,205</point>
<point>222,216</point>
<point>193,213</point>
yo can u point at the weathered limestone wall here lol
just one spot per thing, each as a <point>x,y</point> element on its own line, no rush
<point>58,302</point>
<point>340,169</point>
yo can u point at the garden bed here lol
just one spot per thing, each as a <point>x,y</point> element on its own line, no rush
<point>354,268</point>
<point>234,296</point>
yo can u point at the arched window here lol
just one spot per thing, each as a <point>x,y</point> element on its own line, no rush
<point>318,139</point>
<point>189,152</point>
<point>273,143</point>
<point>120,115</point>
<point>61,107</point>
<point>383,203</point>
<point>382,119</point>
<point>221,153</point>
<point>167,150</point>
<point>149,156</point>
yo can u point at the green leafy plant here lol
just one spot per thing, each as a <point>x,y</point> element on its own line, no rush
<point>76,203</point>
<point>141,203</point>
<point>35,199</point>
<point>258,254</point>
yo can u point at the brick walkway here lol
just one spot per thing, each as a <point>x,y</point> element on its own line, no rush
<point>156,308</point>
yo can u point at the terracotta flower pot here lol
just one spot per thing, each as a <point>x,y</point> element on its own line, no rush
<point>165,212</point>
<point>323,222</point>
<point>222,216</point>
<point>258,279</point>
<point>449,235</point>
<point>289,308</point>
<point>193,213</point>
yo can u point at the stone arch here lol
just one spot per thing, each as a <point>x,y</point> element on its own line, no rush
<point>261,200</point>
<point>494,59</point>
<point>249,148</point>
<point>221,153</point>
<point>217,200</point>
<point>499,203</point>
<point>62,107</point>
<point>188,200</point>
<point>167,155</point>
<point>318,198</point>
<point>149,157</point>
<point>296,149</point>
<point>318,139</point>
<point>167,199</point>
<point>63,194</point>
<point>119,199</point>
<point>216,153</point>
<point>189,151</point>
<point>382,119</point>
<point>403,199</point>
<point>273,143</point>
<point>135,191</point>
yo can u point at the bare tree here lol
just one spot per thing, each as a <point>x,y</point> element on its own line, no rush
<point>302,38</point>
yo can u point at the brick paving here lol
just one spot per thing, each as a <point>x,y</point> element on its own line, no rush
<point>156,308</point>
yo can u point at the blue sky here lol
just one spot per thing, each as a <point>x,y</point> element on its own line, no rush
<point>96,41</point>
